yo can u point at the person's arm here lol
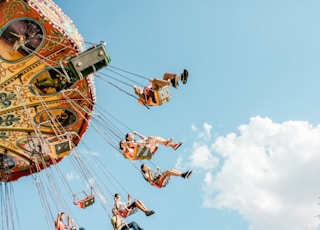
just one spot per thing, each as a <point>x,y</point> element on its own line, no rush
<point>127,152</point>
<point>159,173</point>
<point>69,223</point>
<point>139,135</point>
<point>129,196</point>
<point>116,203</point>
<point>126,148</point>
<point>120,222</point>
<point>149,176</point>
<point>56,223</point>
<point>113,223</point>
<point>116,222</point>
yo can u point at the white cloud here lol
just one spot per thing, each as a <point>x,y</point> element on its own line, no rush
<point>202,157</point>
<point>206,133</point>
<point>269,173</point>
<point>207,128</point>
<point>194,128</point>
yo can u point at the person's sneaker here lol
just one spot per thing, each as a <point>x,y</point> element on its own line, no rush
<point>183,175</point>
<point>173,83</point>
<point>177,145</point>
<point>184,76</point>
<point>189,173</point>
<point>149,213</point>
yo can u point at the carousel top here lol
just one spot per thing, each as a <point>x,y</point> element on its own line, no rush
<point>46,86</point>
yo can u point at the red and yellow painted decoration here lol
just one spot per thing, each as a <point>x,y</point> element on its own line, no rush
<point>36,100</point>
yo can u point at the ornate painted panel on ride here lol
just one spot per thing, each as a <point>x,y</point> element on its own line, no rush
<point>44,107</point>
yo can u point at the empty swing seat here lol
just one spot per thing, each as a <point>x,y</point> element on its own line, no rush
<point>60,148</point>
<point>87,201</point>
<point>89,61</point>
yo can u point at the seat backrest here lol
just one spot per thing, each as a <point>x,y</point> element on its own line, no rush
<point>89,61</point>
<point>161,96</point>
<point>60,148</point>
<point>141,152</point>
<point>87,201</point>
<point>162,182</point>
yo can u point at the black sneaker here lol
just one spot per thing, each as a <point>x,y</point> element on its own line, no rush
<point>184,76</point>
<point>184,175</point>
<point>173,83</point>
<point>149,213</point>
<point>189,173</point>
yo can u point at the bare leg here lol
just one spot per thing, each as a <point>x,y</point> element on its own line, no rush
<point>159,140</point>
<point>162,141</point>
<point>143,208</point>
<point>171,172</point>
<point>169,76</point>
<point>141,205</point>
<point>172,78</point>
<point>157,83</point>
<point>174,172</point>
<point>152,140</point>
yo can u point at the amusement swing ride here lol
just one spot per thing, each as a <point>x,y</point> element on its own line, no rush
<point>47,93</point>
<point>47,102</point>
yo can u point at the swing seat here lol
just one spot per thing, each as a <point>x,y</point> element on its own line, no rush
<point>87,201</point>
<point>141,153</point>
<point>161,182</point>
<point>161,96</point>
<point>89,61</point>
<point>60,148</point>
<point>127,212</point>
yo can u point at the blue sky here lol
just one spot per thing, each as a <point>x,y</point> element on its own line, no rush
<point>248,117</point>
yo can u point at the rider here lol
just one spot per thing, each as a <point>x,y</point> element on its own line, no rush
<point>119,224</point>
<point>60,225</point>
<point>146,94</point>
<point>150,144</point>
<point>161,179</point>
<point>127,208</point>
<point>152,141</point>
